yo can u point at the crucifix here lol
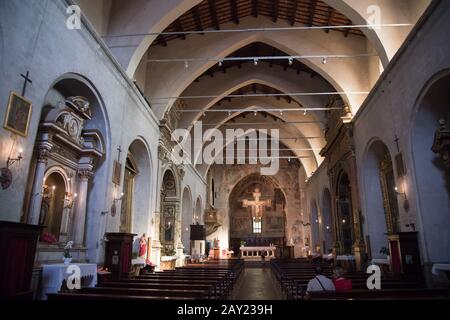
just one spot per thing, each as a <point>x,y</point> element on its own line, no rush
<point>27,80</point>
<point>257,205</point>
<point>396,142</point>
<point>119,150</point>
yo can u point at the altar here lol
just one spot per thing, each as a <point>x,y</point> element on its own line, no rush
<point>252,253</point>
<point>54,275</point>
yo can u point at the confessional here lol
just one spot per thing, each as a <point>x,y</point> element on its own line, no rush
<point>17,250</point>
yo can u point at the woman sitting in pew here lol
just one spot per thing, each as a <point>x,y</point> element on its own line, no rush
<point>341,283</point>
<point>320,282</point>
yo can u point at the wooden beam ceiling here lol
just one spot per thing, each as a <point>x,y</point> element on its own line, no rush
<point>294,12</point>
<point>234,10</point>
<point>312,12</point>
<point>276,4</point>
<point>213,13</point>
<point>255,8</point>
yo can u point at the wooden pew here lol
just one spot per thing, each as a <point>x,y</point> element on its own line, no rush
<point>107,297</point>
<point>196,294</point>
<point>385,294</point>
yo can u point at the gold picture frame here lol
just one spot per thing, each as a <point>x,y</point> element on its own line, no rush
<point>18,114</point>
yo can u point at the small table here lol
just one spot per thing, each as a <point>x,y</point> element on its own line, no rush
<point>441,268</point>
<point>53,276</point>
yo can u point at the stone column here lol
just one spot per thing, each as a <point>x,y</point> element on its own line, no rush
<point>156,254</point>
<point>79,222</point>
<point>180,254</point>
<point>36,193</point>
<point>337,243</point>
<point>359,245</point>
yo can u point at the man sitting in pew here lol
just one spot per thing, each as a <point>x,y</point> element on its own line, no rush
<point>320,282</point>
<point>341,283</point>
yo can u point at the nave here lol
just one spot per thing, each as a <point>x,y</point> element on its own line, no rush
<point>164,149</point>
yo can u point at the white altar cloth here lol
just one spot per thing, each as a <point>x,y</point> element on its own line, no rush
<point>440,268</point>
<point>256,252</point>
<point>53,276</point>
<point>381,261</point>
<point>345,258</point>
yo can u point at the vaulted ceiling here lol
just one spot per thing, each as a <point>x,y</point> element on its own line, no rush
<point>134,30</point>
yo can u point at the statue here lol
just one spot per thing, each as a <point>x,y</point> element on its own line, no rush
<point>216,243</point>
<point>143,246</point>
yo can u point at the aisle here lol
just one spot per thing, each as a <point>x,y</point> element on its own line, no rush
<point>258,284</point>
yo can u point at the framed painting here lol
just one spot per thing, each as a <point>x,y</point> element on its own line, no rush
<point>18,114</point>
<point>117,171</point>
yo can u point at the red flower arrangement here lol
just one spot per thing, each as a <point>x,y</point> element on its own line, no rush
<point>48,238</point>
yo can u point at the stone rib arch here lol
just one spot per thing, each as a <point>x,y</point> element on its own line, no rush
<point>174,79</point>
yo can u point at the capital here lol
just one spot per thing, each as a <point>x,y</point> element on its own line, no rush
<point>85,174</point>
<point>43,152</point>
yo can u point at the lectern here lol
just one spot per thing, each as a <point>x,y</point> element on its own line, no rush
<point>405,257</point>
<point>118,254</point>
<point>17,251</point>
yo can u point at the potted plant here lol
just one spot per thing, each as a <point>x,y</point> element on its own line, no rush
<point>67,257</point>
<point>243,243</point>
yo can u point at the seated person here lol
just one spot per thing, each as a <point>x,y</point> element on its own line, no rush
<point>320,282</point>
<point>148,268</point>
<point>340,282</point>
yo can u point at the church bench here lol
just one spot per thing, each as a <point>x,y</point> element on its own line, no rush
<point>197,294</point>
<point>218,288</point>
<point>212,294</point>
<point>384,294</point>
<point>297,290</point>
<point>224,283</point>
<point>107,297</point>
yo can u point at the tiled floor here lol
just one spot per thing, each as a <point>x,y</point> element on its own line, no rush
<point>257,284</point>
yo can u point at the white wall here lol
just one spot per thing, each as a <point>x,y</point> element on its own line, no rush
<point>49,50</point>
<point>391,111</point>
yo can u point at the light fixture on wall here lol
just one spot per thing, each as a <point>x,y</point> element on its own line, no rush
<point>119,199</point>
<point>398,192</point>
<point>6,174</point>
<point>168,225</point>
<point>402,192</point>
<point>11,161</point>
